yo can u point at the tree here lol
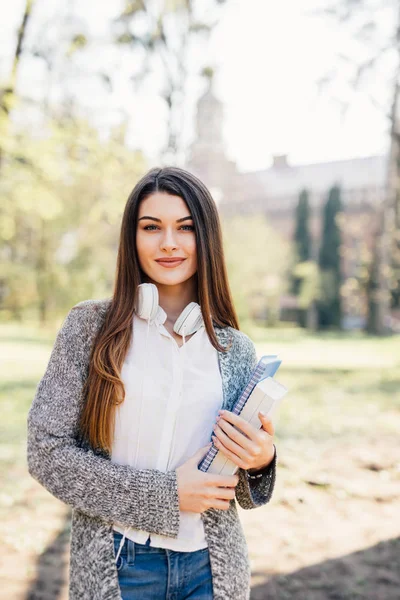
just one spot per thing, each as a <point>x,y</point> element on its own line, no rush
<point>169,32</point>
<point>395,253</point>
<point>329,305</point>
<point>385,255</point>
<point>7,92</point>
<point>302,248</point>
<point>61,218</point>
<point>385,265</point>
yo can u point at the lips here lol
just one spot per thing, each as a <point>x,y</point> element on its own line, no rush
<point>169,263</point>
<point>169,259</point>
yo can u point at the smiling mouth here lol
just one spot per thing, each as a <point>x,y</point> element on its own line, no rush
<point>170,263</point>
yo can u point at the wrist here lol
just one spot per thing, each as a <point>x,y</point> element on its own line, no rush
<point>263,467</point>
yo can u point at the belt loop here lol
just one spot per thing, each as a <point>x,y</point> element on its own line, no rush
<point>131,552</point>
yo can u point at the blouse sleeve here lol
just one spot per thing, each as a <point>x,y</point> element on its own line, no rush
<point>145,499</point>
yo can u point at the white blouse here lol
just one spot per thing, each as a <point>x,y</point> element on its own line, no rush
<point>164,423</point>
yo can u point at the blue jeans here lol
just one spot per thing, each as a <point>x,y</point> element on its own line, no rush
<point>150,573</point>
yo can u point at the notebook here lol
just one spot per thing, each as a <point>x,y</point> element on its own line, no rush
<point>262,392</point>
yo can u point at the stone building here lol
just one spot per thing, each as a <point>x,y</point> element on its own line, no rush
<point>274,191</point>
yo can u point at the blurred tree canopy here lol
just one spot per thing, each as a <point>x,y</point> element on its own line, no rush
<point>62,196</point>
<point>63,183</point>
<point>258,260</point>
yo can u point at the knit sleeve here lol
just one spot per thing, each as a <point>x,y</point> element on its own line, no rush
<point>256,490</point>
<point>145,499</point>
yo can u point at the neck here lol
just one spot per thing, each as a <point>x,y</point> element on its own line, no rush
<point>174,298</point>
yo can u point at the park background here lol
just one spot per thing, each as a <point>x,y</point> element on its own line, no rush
<point>289,112</point>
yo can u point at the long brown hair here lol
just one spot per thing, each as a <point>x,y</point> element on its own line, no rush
<point>104,389</point>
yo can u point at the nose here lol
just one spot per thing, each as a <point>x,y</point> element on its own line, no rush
<point>168,241</point>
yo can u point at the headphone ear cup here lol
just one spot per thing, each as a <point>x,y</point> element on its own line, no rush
<point>146,301</point>
<point>190,319</point>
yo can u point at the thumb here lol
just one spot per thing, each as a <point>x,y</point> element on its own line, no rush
<point>201,452</point>
<point>266,421</point>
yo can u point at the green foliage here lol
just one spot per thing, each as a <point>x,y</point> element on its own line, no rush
<point>257,261</point>
<point>302,233</point>
<point>310,283</point>
<point>61,195</point>
<point>302,238</point>
<point>329,255</point>
<point>395,256</point>
<point>329,306</point>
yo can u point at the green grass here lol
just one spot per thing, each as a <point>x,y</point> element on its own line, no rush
<point>24,351</point>
<point>339,385</point>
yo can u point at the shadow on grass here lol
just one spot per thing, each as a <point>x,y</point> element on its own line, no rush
<point>51,566</point>
<point>371,574</point>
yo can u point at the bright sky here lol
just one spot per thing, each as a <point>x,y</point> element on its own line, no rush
<point>268,56</point>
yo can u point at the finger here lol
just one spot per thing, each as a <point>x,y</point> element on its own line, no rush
<point>239,422</point>
<point>231,455</point>
<point>250,430</point>
<point>224,440</point>
<point>234,439</point>
<point>221,504</point>
<point>221,493</point>
<point>212,479</point>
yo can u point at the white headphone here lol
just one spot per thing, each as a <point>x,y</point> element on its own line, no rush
<point>147,307</point>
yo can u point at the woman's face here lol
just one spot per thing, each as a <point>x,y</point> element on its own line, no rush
<point>161,233</point>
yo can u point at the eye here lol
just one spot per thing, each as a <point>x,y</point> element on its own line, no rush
<point>147,228</point>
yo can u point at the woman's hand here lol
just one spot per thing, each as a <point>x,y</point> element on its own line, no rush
<point>200,491</point>
<point>251,450</point>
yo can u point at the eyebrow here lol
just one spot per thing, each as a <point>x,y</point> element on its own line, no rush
<point>159,220</point>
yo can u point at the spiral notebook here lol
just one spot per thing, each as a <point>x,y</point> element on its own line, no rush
<point>261,393</point>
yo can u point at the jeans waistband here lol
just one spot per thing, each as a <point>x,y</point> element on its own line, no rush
<point>130,547</point>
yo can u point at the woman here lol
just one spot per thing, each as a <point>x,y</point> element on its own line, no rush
<point>131,394</point>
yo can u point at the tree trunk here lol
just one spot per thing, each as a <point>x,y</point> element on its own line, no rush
<point>380,299</point>
<point>7,94</point>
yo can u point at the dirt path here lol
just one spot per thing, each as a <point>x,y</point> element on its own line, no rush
<point>333,527</point>
<point>331,531</point>
<point>35,542</point>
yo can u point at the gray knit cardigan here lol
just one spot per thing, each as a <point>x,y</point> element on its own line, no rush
<point>101,492</point>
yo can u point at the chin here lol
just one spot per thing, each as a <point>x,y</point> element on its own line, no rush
<point>170,279</point>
